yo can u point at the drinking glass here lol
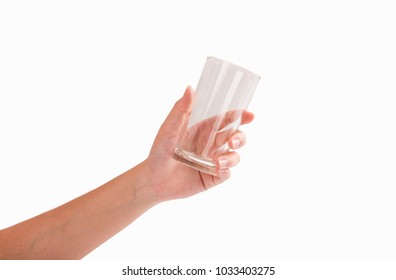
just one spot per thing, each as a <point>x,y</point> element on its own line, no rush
<point>222,95</point>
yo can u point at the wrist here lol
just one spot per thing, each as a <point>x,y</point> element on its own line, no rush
<point>141,182</point>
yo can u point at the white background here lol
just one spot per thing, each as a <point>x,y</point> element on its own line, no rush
<point>85,85</point>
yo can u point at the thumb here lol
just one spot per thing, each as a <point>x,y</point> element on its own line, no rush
<point>184,104</point>
<point>179,112</point>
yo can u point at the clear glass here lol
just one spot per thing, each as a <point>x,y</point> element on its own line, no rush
<point>223,93</point>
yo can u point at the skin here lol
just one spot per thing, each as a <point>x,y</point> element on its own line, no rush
<point>74,229</point>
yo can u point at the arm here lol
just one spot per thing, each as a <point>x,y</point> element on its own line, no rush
<point>76,228</point>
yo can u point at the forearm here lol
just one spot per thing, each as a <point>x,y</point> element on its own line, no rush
<point>76,228</point>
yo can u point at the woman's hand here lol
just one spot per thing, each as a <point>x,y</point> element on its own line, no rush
<point>172,179</point>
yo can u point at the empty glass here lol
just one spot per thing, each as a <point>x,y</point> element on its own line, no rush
<point>223,93</point>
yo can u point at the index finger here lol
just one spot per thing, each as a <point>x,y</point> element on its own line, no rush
<point>247,117</point>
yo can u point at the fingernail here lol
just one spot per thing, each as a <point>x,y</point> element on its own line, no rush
<point>223,162</point>
<point>236,142</point>
<point>223,171</point>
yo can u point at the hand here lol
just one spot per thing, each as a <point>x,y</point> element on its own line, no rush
<point>75,228</point>
<point>209,138</point>
<point>172,179</point>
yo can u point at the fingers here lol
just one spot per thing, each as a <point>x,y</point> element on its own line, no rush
<point>230,117</point>
<point>175,119</point>
<point>228,160</point>
<point>210,181</point>
<point>232,158</point>
<point>184,104</point>
<point>224,162</point>
<point>224,174</point>
<point>237,140</point>
<point>247,117</point>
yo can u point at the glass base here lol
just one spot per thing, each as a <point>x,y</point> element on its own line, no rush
<point>196,162</point>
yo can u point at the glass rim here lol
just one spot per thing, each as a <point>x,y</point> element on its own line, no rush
<point>243,69</point>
